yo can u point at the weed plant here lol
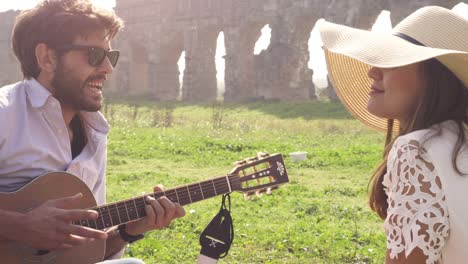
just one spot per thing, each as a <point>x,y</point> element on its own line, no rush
<point>321,216</point>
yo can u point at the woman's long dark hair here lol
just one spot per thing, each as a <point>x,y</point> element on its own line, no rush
<point>445,98</point>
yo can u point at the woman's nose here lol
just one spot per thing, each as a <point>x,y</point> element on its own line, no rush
<point>375,73</point>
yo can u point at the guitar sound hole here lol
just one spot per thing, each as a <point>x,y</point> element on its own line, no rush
<point>42,252</point>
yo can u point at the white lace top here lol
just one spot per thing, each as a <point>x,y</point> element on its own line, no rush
<point>427,199</point>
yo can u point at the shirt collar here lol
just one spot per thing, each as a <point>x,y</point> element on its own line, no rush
<point>36,93</point>
<point>38,96</point>
<point>96,120</point>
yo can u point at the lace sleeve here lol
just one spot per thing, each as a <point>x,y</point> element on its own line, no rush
<point>417,214</point>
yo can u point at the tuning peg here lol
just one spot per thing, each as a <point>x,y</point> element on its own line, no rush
<point>240,162</point>
<point>248,160</point>
<point>268,191</point>
<point>247,196</point>
<point>261,155</point>
<point>258,193</point>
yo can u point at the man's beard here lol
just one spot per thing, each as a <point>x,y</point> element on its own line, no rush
<point>70,91</point>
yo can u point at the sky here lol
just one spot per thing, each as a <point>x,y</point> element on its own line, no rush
<point>25,4</point>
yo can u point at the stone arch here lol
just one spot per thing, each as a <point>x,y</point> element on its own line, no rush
<point>282,69</point>
<point>166,78</point>
<point>139,70</point>
<point>301,74</point>
<point>200,69</point>
<point>240,78</point>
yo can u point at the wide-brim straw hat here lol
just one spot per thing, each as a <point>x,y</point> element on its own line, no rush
<point>429,32</point>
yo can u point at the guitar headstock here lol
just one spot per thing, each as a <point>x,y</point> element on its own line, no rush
<point>260,174</point>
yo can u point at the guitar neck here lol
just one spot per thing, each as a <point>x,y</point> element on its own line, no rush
<point>132,209</point>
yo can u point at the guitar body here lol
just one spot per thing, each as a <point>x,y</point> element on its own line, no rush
<point>251,176</point>
<point>50,186</point>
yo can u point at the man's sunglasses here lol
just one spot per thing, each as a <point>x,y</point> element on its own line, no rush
<point>96,55</point>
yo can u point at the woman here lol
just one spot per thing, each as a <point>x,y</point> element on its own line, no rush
<point>412,83</point>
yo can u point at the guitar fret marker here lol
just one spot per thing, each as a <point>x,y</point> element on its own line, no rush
<point>118,214</point>
<point>102,219</point>
<point>228,183</point>
<point>136,208</point>
<point>110,217</point>
<point>126,210</point>
<point>188,191</point>
<point>214,187</point>
<point>203,197</point>
<point>178,200</point>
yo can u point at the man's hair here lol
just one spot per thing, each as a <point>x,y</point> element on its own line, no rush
<point>56,23</point>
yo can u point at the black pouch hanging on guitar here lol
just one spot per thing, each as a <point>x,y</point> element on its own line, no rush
<point>217,237</point>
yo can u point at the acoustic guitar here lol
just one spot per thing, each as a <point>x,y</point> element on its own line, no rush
<point>258,175</point>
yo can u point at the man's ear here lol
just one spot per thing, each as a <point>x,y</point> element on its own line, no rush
<point>46,58</point>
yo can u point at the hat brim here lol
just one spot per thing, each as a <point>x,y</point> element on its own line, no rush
<point>350,53</point>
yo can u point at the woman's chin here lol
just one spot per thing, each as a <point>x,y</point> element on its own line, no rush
<point>376,110</point>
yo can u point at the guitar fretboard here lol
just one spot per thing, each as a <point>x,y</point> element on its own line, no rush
<point>128,210</point>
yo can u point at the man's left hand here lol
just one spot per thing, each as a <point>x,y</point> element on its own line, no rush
<point>159,214</point>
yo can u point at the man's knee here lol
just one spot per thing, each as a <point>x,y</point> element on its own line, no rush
<point>123,261</point>
<point>132,261</point>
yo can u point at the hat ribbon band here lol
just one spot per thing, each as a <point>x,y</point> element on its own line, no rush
<point>408,38</point>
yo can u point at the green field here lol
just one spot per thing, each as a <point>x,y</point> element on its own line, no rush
<point>321,216</point>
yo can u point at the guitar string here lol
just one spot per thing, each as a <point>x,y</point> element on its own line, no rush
<point>233,178</point>
<point>116,209</point>
<point>216,183</point>
<point>112,211</point>
<point>184,195</point>
<point>139,202</point>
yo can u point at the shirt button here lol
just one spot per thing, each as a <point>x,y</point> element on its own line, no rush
<point>60,130</point>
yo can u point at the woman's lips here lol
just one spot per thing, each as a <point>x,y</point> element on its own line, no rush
<point>375,90</point>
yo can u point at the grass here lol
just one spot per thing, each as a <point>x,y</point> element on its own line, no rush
<point>321,216</point>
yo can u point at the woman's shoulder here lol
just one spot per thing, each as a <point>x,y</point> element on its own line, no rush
<point>439,139</point>
<point>446,131</point>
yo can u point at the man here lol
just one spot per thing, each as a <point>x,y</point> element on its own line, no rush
<point>50,122</point>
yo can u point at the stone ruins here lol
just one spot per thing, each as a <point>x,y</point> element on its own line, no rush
<point>158,31</point>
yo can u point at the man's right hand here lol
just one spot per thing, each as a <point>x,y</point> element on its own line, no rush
<point>49,226</point>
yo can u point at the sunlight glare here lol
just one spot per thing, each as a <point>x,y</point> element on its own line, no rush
<point>181,65</point>
<point>317,59</point>
<point>27,4</point>
<point>264,40</point>
<point>461,9</point>
<point>220,64</point>
<point>382,24</point>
